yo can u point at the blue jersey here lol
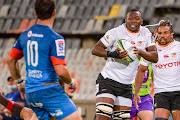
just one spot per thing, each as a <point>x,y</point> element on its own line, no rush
<point>42,48</point>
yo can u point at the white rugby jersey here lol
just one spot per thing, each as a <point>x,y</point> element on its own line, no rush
<point>167,69</point>
<point>120,72</point>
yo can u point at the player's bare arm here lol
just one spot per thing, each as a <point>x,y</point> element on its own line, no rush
<point>12,64</point>
<point>15,73</point>
<point>150,54</point>
<point>63,73</point>
<point>18,110</point>
<point>138,83</point>
<point>99,50</point>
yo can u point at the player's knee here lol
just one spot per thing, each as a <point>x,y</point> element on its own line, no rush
<point>104,109</point>
<point>27,113</point>
<point>121,115</point>
<point>161,119</point>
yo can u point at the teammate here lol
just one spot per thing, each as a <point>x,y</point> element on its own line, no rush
<point>18,110</point>
<point>166,75</point>
<point>145,111</point>
<point>44,52</point>
<point>114,83</point>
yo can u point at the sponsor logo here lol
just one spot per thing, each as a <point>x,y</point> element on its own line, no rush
<point>168,65</point>
<point>34,73</point>
<point>133,43</point>
<point>159,49</point>
<point>58,113</point>
<point>60,46</point>
<point>34,34</point>
<point>108,38</point>
<point>40,105</point>
<point>166,56</point>
<point>29,33</point>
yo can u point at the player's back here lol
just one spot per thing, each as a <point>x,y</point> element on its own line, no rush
<point>40,44</point>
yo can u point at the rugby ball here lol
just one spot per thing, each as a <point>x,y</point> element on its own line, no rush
<point>126,45</point>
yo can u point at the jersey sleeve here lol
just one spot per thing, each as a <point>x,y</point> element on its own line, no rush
<point>145,62</point>
<point>16,52</point>
<point>150,38</point>
<point>108,39</point>
<point>57,53</point>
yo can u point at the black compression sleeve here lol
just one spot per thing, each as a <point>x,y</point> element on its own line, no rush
<point>114,54</point>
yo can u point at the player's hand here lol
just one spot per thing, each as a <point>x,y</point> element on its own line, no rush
<point>22,91</point>
<point>122,54</point>
<point>136,50</point>
<point>74,86</point>
<point>136,98</point>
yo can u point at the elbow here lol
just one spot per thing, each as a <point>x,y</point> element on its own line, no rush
<point>93,52</point>
<point>155,59</point>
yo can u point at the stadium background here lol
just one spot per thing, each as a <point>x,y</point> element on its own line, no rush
<point>82,23</point>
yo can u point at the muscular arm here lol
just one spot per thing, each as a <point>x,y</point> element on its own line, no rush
<point>151,54</point>
<point>13,67</point>
<point>63,73</point>
<point>140,78</point>
<point>99,49</point>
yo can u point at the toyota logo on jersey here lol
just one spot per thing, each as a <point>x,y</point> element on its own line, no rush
<point>168,65</point>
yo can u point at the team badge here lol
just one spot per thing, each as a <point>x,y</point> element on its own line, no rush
<point>60,47</point>
<point>139,43</point>
<point>173,55</point>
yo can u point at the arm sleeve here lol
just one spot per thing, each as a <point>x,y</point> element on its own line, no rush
<point>108,39</point>
<point>145,62</point>
<point>16,52</point>
<point>57,52</point>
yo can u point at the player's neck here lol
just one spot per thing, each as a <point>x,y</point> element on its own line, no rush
<point>47,22</point>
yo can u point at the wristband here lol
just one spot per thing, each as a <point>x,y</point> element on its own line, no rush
<point>114,54</point>
<point>10,105</point>
<point>20,81</point>
<point>72,82</point>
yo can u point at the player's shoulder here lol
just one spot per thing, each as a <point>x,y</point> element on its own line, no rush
<point>54,35</point>
<point>115,31</point>
<point>145,30</point>
<point>177,43</point>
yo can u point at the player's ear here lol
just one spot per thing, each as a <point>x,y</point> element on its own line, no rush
<point>54,12</point>
<point>35,13</point>
<point>172,35</point>
<point>141,21</point>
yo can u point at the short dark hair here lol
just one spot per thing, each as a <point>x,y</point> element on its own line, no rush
<point>166,23</point>
<point>8,79</point>
<point>133,9</point>
<point>44,8</point>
